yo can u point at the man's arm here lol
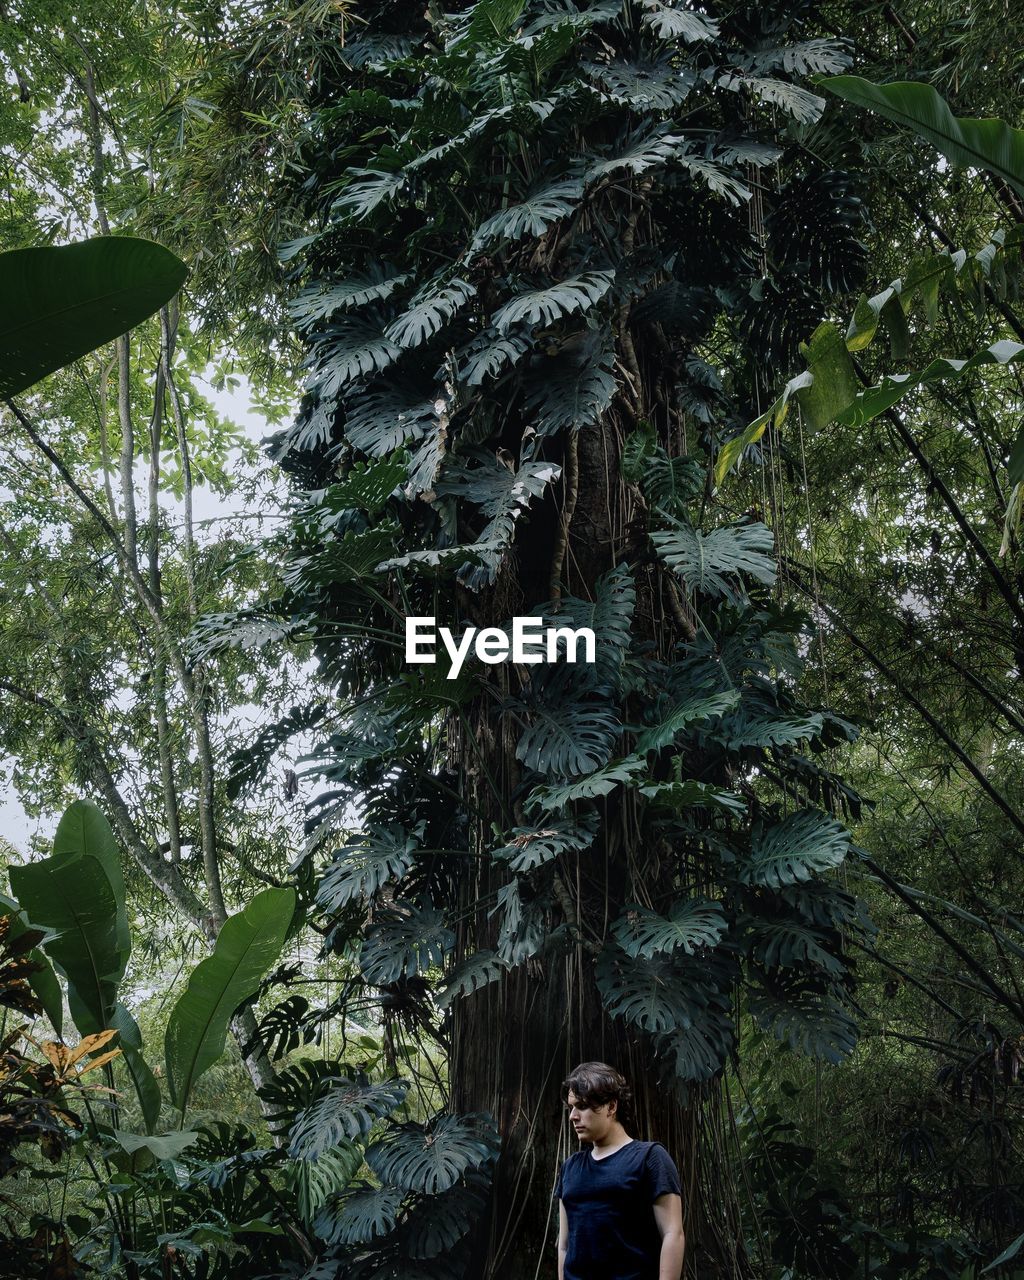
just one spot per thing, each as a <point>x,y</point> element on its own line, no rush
<point>563,1239</point>
<point>668,1214</point>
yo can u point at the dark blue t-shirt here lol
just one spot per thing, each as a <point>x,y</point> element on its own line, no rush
<point>612,1231</point>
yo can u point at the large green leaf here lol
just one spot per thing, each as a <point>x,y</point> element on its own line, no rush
<point>812,1025</point>
<point>528,848</point>
<point>407,939</point>
<point>972,144</point>
<point>71,896</point>
<point>804,843</point>
<point>129,1040</point>
<point>648,993</point>
<point>360,1215</point>
<point>599,783</point>
<point>431,1158</point>
<point>545,306</point>
<point>872,401</point>
<point>692,923</point>
<point>568,739</point>
<point>84,829</point>
<point>317,1181</point>
<point>58,304</point>
<point>367,862</point>
<point>345,1111</point>
<point>717,562</point>
<point>247,946</point>
<point>476,971</point>
<point>435,1225</point>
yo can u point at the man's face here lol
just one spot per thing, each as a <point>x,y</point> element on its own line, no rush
<point>591,1123</point>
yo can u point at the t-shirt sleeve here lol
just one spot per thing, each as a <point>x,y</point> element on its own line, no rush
<point>558,1183</point>
<point>660,1174</point>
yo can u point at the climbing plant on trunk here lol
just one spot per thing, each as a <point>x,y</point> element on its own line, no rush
<point>558,251</point>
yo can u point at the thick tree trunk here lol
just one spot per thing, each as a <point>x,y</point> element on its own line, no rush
<point>516,1040</point>
<point>514,1043</point>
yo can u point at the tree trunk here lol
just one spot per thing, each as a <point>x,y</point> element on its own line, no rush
<point>515,1040</point>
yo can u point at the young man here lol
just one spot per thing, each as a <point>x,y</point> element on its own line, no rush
<point>619,1206</point>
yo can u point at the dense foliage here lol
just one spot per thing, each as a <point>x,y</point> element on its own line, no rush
<point>629,316</point>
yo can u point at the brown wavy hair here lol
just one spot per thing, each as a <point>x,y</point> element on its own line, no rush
<point>597,1083</point>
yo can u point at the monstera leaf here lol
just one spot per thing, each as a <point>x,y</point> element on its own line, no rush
<point>599,783</point>
<point>700,1051</point>
<point>431,1158</point>
<point>716,563</point>
<point>814,1026</point>
<point>545,306</point>
<point>574,388</point>
<point>361,1215</point>
<point>316,1181</point>
<point>406,940</point>
<point>703,706</point>
<point>437,1223</point>
<point>57,304</point>
<point>531,216</point>
<point>648,994</point>
<point>568,739</point>
<point>782,944</point>
<point>795,849</point>
<point>346,1110</point>
<point>691,924</point>
<point>381,855</point>
<point>476,971</point>
<point>531,847</point>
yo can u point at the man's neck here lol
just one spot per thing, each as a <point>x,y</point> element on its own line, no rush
<point>615,1137</point>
